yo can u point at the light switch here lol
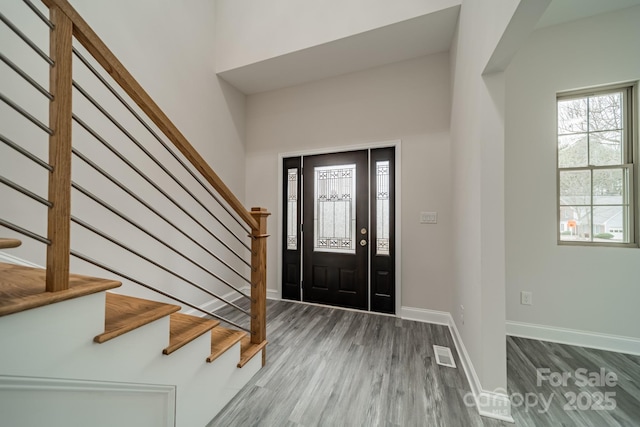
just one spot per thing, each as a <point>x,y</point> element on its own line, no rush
<point>428,217</point>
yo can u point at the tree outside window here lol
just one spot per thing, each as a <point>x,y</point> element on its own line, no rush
<point>595,167</point>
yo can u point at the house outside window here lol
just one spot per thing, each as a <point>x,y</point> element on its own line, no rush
<point>597,167</point>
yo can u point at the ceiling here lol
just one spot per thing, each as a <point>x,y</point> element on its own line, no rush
<point>423,35</point>
<point>560,11</point>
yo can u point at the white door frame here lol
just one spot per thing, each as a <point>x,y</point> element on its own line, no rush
<point>398,207</point>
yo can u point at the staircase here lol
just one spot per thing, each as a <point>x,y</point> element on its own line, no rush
<point>48,335</point>
<point>81,350</point>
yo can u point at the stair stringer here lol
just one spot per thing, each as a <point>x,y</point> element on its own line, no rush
<point>56,341</point>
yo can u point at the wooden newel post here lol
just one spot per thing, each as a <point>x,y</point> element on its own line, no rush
<point>59,216</point>
<point>259,276</point>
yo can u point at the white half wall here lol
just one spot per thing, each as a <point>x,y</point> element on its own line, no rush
<point>407,101</point>
<point>589,289</point>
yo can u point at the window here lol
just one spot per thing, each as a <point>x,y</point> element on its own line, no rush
<point>335,209</point>
<point>292,209</point>
<point>382,207</point>
<point>596,167</point>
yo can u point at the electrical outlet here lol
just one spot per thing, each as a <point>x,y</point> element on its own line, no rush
<point>428,217</point>
<point>526,298</point>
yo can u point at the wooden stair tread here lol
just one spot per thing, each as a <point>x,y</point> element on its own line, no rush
<point>248,350</point>
<point>186,328</point>
<point>9,243</point>
<point>222,339</point>
<point>124,314</point>
<point>23,288</point>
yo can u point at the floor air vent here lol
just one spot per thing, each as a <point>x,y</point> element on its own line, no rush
<point>444,356</point>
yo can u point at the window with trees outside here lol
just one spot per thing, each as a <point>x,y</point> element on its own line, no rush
<point>596,176</point>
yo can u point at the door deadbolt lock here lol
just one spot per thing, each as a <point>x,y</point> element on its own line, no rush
<point>363,242</point>
<point>363,231</point>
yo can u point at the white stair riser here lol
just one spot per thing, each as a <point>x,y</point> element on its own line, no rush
<point>56,341</point>
<point>39,341</point>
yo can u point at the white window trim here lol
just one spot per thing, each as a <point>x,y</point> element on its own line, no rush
<point>632,122</point>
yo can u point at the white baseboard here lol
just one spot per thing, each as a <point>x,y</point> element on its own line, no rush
<point>472,376</point>
<point>424,315</point>
<point>619,344</point>
<point>273,294</point>
<point>494,405</point>
<point>490,404</point>
<point>11,259</point>
<point>216,304</point>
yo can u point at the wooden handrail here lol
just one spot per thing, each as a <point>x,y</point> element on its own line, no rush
<point>94,45</point>
<point>67,23</point>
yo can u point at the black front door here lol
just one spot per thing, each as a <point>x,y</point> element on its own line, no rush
<point>335,235</point>
<point>339,229</point>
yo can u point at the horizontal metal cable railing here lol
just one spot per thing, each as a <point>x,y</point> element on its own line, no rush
<point>25,38</point>
<point>162,142</point>
<point>227,244</point>
<point>151,182</point>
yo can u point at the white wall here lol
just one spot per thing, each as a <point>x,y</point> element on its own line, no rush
<point>169,49</point>
<point>408,101</point>
<point>477,161</point>
<point>584,288</point>
<point>250,31</point>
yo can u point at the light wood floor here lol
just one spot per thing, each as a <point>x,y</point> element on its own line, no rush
<point>332,367</point>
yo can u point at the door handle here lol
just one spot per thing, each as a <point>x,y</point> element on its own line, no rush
<point>363,242</point>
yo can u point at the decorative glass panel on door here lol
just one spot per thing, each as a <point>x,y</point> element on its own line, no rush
<point>334,225</point>
<point>292,209</point>
<point>382,207</point>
